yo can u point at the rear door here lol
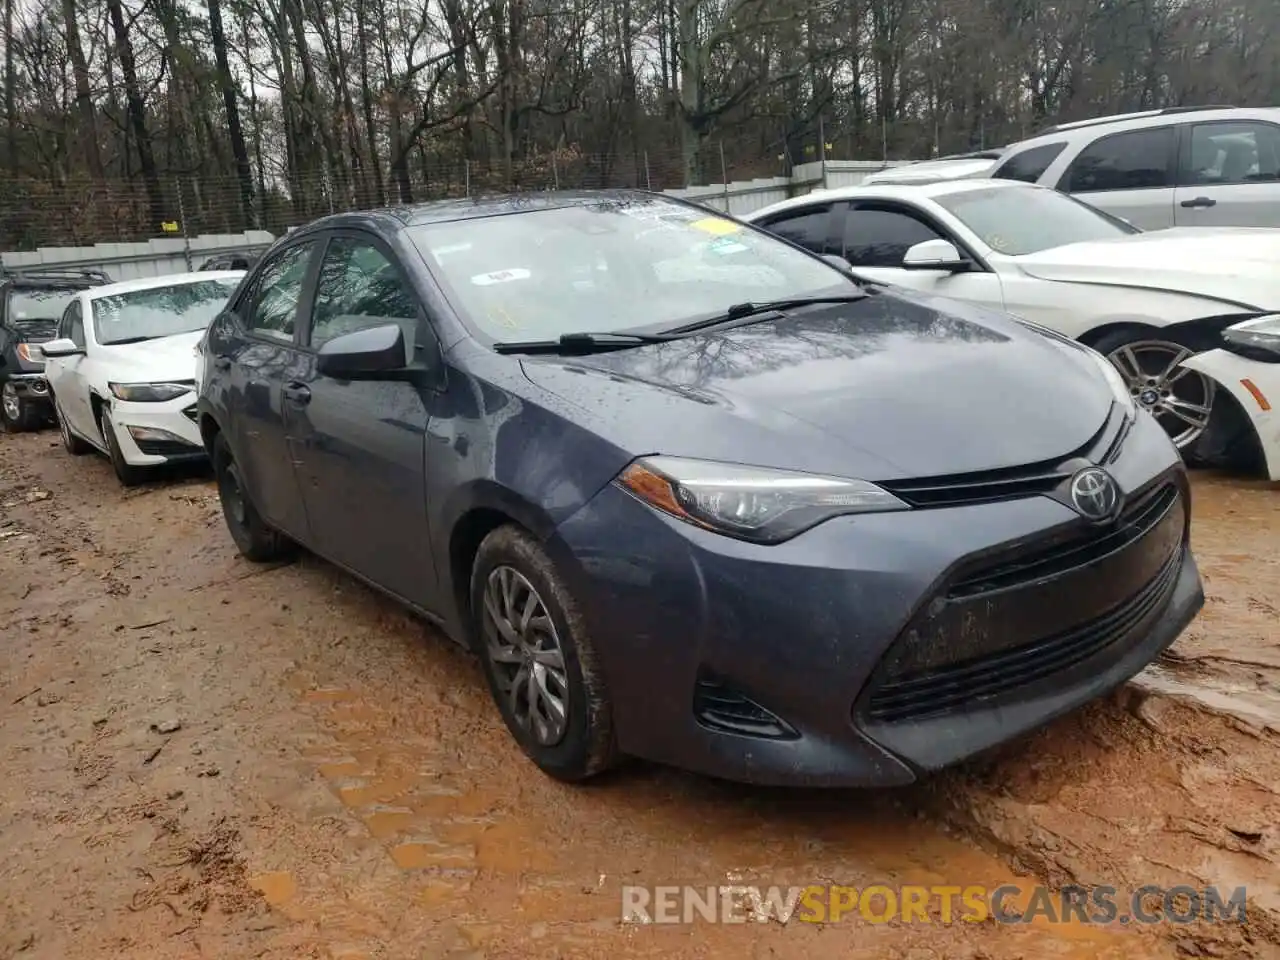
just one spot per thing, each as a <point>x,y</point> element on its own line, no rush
<point>1229,175</point>
<point>814,227</point>
<point>1129,175</point>
<point>360,446</point>
<point>878,233</point>
<point>255,367</point>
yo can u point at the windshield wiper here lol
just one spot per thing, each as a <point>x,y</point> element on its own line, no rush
<point>582,343</point>
<point>759,310</point>
<point>116,343</point>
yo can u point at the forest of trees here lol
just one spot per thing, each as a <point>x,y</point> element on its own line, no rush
<point>121,115</point>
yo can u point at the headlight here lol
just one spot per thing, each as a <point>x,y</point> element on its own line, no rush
<point>1262,333</point>
<point>151,392</point>
<point>1117,383</point>
<point>759,504</point>
<point>29,353</point>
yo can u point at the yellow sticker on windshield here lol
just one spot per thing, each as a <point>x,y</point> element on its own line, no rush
<point>500,315</point>
<point>716,225</point>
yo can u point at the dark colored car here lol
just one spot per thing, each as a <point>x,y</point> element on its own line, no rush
<point>694,494</point>
<point>31,304</point>
<point>230,261</point>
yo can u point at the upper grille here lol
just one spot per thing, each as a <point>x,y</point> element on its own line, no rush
<point>984,634</point>
<point>1012,482</point>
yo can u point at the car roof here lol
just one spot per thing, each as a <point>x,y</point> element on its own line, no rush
<point>475,208</point>
<point>1116,123</point>
<point>166,280</point>
<point>893,191</point>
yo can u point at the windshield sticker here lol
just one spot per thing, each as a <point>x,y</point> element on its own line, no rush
<point>439,252</point>
<point>716,225</point>
<point>726,246</point>
<point>499,315</point>
<point>500,276</point>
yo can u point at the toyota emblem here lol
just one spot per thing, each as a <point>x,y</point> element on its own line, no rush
<point>1094,494</point>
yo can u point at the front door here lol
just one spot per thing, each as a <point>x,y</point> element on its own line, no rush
<point>265,358</point>
<point>360,446</point>
<point>66,375</point>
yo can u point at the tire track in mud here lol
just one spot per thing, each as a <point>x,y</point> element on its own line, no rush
<point>381,810</point>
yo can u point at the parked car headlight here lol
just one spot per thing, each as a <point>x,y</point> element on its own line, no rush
<point>151,392</point>
<point>1117,383</point>
<point>1261,333</point>
<point>760,504</point>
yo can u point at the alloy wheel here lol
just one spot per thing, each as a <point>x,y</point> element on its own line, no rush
<point>522,643</point>
<point>11,402</point>
<point>1179,398</point>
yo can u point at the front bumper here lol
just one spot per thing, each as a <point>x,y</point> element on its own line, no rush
<point>1256,388</point>
<point>156,433</point>
<point>30,386</point>
<point>761,664</point>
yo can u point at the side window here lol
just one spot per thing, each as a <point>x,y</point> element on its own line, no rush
<point>1138,160</point>
<point>272,305</point>
<point>1029,165</point>
<point>71,325</point>
<point>882,237</point>
<point>359,288</point>
<point>808,227</point>
<point>1232,152</point>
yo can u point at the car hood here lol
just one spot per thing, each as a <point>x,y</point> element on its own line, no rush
<point>164,358</point>
<point>885,388</point>
<point>1236,265</point>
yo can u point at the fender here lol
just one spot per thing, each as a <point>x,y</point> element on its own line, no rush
<point>1256,387</point>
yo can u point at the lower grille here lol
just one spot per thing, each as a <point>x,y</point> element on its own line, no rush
<point>962,685</point>
<point>985,632</point>
<point>167,448</point>
<point>721,708</point>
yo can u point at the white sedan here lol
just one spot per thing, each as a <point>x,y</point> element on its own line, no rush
<point>122,370</point>
<point>1148,301</point>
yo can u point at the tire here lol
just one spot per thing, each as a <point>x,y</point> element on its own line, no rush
<point>1194,391</point>
<point>126,473</point>
<point>584,745</point>
<point>74,445</point>
<point>17,414</point>
<point>253,538</point>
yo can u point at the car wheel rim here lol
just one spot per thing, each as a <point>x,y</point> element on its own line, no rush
<point>232,496</point>
<point>523,645</point>
<point>12,406</point>
<point>1179,398</point>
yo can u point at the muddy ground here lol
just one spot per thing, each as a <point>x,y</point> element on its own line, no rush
<point>204,758</point>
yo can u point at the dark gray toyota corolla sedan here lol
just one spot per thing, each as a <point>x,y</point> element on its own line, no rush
<point>694,494</point>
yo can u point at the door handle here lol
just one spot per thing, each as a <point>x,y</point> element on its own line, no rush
<point>298,393</point>
<point>1200,202</point>
<point>222,363</point>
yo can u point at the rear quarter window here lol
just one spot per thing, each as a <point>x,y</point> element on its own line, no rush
<point>1029,165</point>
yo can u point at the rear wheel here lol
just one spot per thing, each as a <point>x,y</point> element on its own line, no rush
<point>17,413</point>
<point>1180,399</point>
<point>255,540</point>
<point>539,659</point>
<point>128,474</point>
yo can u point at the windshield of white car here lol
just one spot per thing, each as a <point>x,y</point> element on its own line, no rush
<point>38,306</point>
<point>159,311</point>
<point>612,266</point>
<point>1016,221</point>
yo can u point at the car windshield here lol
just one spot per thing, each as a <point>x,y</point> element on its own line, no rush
<point>159,311</point>
<point>611,266</point>
<point>38,306</point>
<point>1017,220</point>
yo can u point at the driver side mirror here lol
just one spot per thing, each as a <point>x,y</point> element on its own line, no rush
<point>369,354</point>
<point>62,347</point>
<point>936,255</point>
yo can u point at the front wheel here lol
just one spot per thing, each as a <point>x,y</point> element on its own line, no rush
<point>539,659</point>
<point>128,474</point>
<point>253,538</point>
<point>1180,399</point>
<point>17,413</point>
